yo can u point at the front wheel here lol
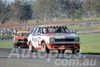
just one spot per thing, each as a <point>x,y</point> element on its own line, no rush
<point>76,51</point>
<point>15,46</point>
<point>31,47</point>
<point>44,48</point>
<point>61,51</point>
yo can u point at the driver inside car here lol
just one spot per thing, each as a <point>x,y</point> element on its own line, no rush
<point>44,30</point>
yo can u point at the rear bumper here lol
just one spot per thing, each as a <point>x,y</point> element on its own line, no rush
<point>74,46</point>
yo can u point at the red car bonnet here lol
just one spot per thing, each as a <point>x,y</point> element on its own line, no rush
<point>21,37</point>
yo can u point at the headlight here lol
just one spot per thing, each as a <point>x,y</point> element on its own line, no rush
<point>77,39</point>
<point>51,39</point>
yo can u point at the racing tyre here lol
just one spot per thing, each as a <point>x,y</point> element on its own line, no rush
<point>31,48</point>
<point>76,51</point>
<point>61,51</point>
<point>15,46</point>
<point>44,48</point>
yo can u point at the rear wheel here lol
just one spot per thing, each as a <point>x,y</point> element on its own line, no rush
<point>44,48</point>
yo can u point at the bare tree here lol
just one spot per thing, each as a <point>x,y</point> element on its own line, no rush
<point>3,12</point>
<point>44,10</point>
<point>21,11</point>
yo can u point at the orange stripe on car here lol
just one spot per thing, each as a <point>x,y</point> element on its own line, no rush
<point>23,31</point>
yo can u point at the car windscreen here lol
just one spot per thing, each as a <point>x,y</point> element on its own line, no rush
<point>55,30</point>
<point>23,34</point>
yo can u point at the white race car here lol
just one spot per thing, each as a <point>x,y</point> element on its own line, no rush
<point>51,37</point>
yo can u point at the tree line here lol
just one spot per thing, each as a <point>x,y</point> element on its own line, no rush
<point>48,10</point>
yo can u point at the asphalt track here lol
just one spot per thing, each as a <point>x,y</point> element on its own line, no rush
<point>24,58</point>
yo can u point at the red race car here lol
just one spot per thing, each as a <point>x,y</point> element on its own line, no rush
<point>20,39</point>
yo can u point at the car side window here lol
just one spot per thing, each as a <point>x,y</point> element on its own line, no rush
<point>36,31</point>
<point>39,31</point>
<point>33,31</point>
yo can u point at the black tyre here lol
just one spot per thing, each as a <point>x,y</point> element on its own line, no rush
<point>76,51</point>
<point>61,51</point>
<point>44,48</point>
<point>31,48</point>
<point>16,46</point>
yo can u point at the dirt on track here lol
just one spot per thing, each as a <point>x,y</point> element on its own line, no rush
<point>16,24</point>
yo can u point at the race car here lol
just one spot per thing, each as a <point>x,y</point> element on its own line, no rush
<point>53,37</point>
<point>20,39</point>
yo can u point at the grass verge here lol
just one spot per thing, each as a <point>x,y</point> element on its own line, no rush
<point>6,44</point>
<point>90,43</point>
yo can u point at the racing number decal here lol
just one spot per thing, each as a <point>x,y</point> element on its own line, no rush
<point>39,40</point>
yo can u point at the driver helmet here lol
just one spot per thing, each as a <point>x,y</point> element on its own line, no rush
<point>44,30</point>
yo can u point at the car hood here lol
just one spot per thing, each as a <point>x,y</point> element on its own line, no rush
<point>62,35</point>
<point>21,37</point>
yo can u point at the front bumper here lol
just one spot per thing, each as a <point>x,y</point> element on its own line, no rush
<point>21,42</point>
<point>63,46</point>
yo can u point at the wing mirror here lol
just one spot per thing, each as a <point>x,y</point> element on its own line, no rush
<point>73,31</point>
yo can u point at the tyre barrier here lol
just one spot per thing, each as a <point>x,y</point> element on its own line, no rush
<point>88,24</point>
<point>6,38</point>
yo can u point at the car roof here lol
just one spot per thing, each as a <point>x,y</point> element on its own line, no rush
<point>50,25</point>
<point>23,31</point>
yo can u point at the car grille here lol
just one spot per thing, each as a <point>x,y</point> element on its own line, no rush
<point>64,40</point>
<point>63,44</point>
<point>22,40</point>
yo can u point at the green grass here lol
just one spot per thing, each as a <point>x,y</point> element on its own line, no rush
<point>6,44</point>
<point>91,18</point>
<point>84,29</point>
<point>89,43</point>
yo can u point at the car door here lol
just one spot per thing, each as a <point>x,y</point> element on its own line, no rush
<point>36,37</point>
